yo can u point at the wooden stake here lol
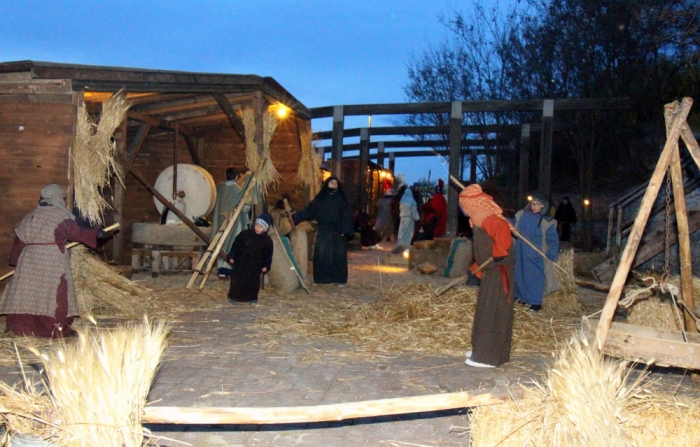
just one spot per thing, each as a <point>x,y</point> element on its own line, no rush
<point>461,279</point>
<point>320,413</point>
<point>640,221</point>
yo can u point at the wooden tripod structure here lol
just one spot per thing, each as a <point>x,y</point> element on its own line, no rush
<point>212,253</point>
<point>675,115</point>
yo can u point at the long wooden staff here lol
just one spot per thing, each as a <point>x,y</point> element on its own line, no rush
<point>461,279</point>
<point>301,280</point>
<point>517,234</point>
<point>68,246</point>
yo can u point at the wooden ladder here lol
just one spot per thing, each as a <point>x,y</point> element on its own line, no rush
<point>208,259</point>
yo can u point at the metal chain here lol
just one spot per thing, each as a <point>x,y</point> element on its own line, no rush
<point>667,245</point>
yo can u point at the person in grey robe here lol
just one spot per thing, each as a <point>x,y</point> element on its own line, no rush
<point>228,194</point>
<point>40,299</point>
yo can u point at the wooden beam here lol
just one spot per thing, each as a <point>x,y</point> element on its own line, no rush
<point>364,161</point>
<point>324,413</point>
<point>524,166</point>
<point>545,172</point>
<point>233,118</point>
<point>194,147</point>
<point>456,117</point>
<point>157,122</point>
<point>419,144</point>
<point>119,193</point>
<point>138,140</point>
<point>337,144</point>
<point>443,131</point>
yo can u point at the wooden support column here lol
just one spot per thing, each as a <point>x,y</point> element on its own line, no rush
<point>138,140</point>
<point>524,169</point>
<point>118,237</point>
<point>337,141</point>
<point>364,162</point>
<point>455,149</point>
<point>380,154</point>
<point>681,211</point>
<point>472,166</point>
<point>392,164</point>
<point>259,109</point>
<point>195,146</point>
<point>545,174</point>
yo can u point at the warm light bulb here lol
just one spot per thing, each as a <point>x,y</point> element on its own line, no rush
<point>529,198</point>
<point>586,202</point>
<point>282,111</point>
<point>405,253</point>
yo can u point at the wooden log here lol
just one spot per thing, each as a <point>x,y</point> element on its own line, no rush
<point>323,413</point>
<point>639,223</point>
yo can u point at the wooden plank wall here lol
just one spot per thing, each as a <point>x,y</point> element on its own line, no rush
<point>36,127</point>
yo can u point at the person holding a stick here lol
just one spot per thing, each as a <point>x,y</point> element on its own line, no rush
<point>250,255</point>
<point>534,276</point>
<point>492,329</point>
<point>40,299</point>
<point>228,194</point>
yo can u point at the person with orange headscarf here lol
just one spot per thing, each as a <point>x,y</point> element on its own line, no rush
<point>492,329</point>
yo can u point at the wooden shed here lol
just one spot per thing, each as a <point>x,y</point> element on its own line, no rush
<point>175,116</point>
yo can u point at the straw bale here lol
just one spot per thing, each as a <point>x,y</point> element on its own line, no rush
<point>564,301</point>
<point>102,291</point>
<point>265,173</point>
<point>654,312</point>
<point>589,400</point>
<point>93,157</point>
<point>411,319</point>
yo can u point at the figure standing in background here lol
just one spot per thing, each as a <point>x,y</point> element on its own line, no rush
<point>40,299</point>
<point>251,256</point>
<point>385,222</point>
<point>333,213</point>
<point>566,218</point>
<point>439,204</point>
<point>492,329</point>
<point>396,209</point>
<point>408,212</point>
<point>369,237</point>
<point>228,195</point>
<point>535,277</point>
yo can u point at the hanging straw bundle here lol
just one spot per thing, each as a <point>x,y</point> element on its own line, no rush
<point>93,156</point>
<point>564,301</point>
<point>266,173</point>
<point>309,169</point>
<point>99,384</point>
<point>102,291</point>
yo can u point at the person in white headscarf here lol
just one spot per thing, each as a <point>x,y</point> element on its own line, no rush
<point>408,214</point>
<point>40,299</point>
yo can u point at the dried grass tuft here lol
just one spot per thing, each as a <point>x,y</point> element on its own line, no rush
<point>309,169</point>
<point>100,383</point>
<point>564,301</point>
<point>93,157</point>
<point>265,173</point>
<point>102,291</point>
<point>654,312</point>
<point>26,411</point>
<point>581,403</point>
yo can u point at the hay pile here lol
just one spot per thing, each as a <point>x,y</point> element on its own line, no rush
<point>309,169</point>
<point>98,388</point>
<point>93,157</point>
<point>102,291</point>
<point>411,318</point>
<point>266,174</point>
<point>588,400</point>
<point>564,301</point>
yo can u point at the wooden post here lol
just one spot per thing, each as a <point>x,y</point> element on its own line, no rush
<point>118,238</point>
<point>380,154</point>
<point>392,164</point>
<point>611,221</point>
<point>175,163</point>
<point>686,263</point>
<point>524,168</point>
<point>455,150</point>
<point>472,166</point>
<point>364,163</point>
<point>545,174</point>
<point>337,141</point>
<point>640,221</point>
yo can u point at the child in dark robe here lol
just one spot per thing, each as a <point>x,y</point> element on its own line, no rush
<point>251,256</point>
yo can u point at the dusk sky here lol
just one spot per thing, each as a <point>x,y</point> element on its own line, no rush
<point>324,52</point>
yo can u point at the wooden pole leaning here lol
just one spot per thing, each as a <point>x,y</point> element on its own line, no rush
<point>518,235</point>
<point>461,279</point>
<point>640,221</point>
<point>68,246</point>
<point>212,253</point>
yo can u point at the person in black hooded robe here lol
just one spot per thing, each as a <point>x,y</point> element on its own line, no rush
<point>333,213</point>
<point>566,218</point>
<point>251,256</point>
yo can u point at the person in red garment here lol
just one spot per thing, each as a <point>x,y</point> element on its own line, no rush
<point>492,329</point>
<point>439,204</point>
<point>40,299</point>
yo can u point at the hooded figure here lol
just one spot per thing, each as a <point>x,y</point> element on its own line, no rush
<point>333,213</point>
<point>408,213</point>
<point>251,256</point>
<point>492,329</point>
<point>439,204</point>
<point>535,277</point>
<point>566,218</point>
<point>40,299</point>
<point>385,223</point>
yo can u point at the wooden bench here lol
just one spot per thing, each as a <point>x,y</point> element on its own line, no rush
<point>164,260</point>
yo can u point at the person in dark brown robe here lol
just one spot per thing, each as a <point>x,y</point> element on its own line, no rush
<point>251,256</point>
<point>492,329</point>
<point>40,299</point>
